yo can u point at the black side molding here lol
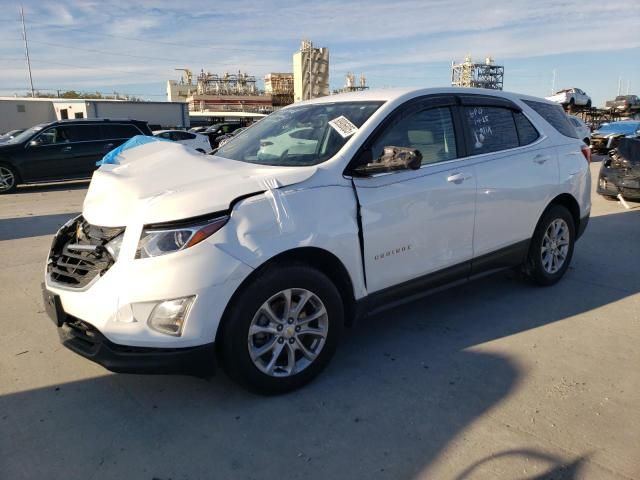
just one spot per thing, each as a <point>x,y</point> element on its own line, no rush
<point>434,282</point>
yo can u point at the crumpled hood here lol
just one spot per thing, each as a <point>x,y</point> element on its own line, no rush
<point>161,182</point>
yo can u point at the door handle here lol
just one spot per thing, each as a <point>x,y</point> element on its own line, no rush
<point>540,159</point>
<point>457,178</point>
<point>66,149</point>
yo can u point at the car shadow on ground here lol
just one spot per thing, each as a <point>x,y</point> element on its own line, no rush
<point>403,386</point>
<point>32,226</point>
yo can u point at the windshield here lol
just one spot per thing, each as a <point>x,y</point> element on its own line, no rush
<point>27,134</point>
<point>620,127</point>
<point>299,136</point>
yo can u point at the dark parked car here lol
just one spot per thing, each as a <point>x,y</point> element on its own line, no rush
<point>62,150</point>
<point>624,103</point>
<point>9,135</point>
<point>620,173</point>
<point>218,130</point>
<point>607,136</point>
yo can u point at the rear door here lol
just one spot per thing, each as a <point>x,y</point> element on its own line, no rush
<point>417,222</point>
<point>516,172</point>
<point>87,147</point>
<point>115,134</point>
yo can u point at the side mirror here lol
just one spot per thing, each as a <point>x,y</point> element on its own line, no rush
<point>392,159</point>
<point>35,143</point>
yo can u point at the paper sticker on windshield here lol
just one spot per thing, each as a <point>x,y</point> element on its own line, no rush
<point>343,126</point>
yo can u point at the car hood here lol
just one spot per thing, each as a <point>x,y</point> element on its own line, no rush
<point>10,147</point>
<point>161,182</point>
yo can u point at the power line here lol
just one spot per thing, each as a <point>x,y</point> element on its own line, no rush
<point>160,42</point>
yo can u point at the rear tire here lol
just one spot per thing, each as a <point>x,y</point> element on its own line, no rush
<point>8,179</point>
<point>588,104</point>
<point>295,350</point>
<point>551,246</point>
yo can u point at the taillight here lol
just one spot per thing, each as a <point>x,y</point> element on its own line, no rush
<point>586,151</point>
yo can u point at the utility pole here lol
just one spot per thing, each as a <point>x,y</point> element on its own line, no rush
<point>628,81</point>
<point>553,82</point>
<point>26,51</point>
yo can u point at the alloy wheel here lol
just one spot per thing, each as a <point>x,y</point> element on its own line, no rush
<point>288,332</point>
<point>555,246</point>
<point>7,179</point>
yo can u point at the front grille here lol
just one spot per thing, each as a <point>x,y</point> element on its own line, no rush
<point>78,253</point>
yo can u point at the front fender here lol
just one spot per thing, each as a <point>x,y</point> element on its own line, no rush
<point>279,220</point>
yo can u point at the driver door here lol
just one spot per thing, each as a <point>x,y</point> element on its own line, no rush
<point>418,222</point>
<point>49,155</point>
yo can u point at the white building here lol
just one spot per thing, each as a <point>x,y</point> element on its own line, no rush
<point>310,72</point>
<point>17,112</point>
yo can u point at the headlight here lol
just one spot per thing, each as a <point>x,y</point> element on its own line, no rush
<point>113,247</point>
<point>156,241</point>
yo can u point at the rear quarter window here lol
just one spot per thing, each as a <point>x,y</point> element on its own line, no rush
<point>555,116</point>
<point>527,133</point>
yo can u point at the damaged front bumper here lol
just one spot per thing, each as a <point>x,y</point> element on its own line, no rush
<point>107,319</point>
<point>620,173</point>
<point>84,339</point>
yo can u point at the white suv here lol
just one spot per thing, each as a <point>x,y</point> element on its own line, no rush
<point>197,141</point>
<point>262,260</point>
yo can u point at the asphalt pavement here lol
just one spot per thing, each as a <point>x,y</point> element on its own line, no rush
<point>496,379</point>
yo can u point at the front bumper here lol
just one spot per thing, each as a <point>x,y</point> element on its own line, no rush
<point>84,339</point>
<point>610,190</point>
<point>612,183</point>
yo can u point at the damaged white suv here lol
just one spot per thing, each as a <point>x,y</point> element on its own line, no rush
<point>260,255</point>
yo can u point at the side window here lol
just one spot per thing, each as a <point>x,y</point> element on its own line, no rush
<point>184,136</point>
<point>527,133</point>
<point>83,133</point>
<point>166,135</point>
<point>429,131</point>
<point>492,129</point>
<point>120,131</point>
<point>53,136</point>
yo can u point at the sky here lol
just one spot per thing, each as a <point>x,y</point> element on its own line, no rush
<point>134,47</point>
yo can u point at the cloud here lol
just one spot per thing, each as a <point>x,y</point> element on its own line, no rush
<point>379,38</point>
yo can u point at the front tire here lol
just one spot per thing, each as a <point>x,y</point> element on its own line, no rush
<point>8,179</point>
<point>551,246</point>
<point>282,329</point>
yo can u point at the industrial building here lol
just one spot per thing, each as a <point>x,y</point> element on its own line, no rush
<point>280,87</point>
<point>214,97</point>
<point>350,84</point>
<point>479,75</point>
<point>20,113</point>
<point>310,72</point>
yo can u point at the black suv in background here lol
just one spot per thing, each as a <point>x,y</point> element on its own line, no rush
<point>62,150</point>
<point>217,131</point>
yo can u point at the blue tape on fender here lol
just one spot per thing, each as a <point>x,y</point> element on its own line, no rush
<point>112,156</point>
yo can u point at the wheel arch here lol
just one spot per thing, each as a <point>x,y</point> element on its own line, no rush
<point>15,168</point>
<point>570,203</point>
<point>315,257</point>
